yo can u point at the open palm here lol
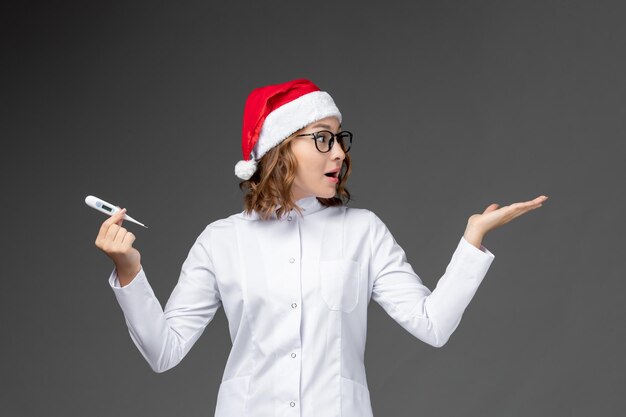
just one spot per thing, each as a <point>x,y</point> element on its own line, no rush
<point>494,217</point>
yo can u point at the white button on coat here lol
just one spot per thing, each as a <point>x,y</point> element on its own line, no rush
<point>347,256</point>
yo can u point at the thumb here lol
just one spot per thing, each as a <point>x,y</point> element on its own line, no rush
<point>491,208</point>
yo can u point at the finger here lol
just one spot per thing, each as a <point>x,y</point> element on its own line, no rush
<point>113,219</point>
<point>490,208</point>
<point>128,240</point>
<point>105,237</point>
<point>536,201</point>
<point>120,216</point>
<point>533,204</point>
<point>523,206</point>
<point>111,233</point>
<point>521,209</point>
<point>119,236</point>
<point>525,210</point>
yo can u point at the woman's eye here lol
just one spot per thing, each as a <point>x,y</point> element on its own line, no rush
<point>321,138</point>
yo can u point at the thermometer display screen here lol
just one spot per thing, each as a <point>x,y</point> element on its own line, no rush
<point>106,208</point>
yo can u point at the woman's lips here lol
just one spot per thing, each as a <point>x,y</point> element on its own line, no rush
<point>332,179</point>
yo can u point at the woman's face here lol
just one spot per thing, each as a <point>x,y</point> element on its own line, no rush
<point>313,164</point>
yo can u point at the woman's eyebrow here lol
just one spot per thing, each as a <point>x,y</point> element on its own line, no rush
<point>325,126</point>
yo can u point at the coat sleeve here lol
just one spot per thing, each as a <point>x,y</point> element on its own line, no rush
<point>429,316</point>
<point>164,337</point>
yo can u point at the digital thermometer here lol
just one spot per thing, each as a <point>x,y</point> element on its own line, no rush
<point>108,208</point>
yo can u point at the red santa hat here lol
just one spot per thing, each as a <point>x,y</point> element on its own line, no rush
<point>274,112</point>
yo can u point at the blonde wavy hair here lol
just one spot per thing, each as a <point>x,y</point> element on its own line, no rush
<point>270,186</point>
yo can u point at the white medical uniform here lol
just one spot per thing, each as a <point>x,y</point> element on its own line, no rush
<point>295,292</point>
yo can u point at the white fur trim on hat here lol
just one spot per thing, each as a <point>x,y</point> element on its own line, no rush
<point>293,116</point>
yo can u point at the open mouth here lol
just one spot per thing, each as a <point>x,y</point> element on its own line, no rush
<point>333,177</point>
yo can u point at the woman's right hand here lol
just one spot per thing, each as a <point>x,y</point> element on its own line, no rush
<point>117,243</point>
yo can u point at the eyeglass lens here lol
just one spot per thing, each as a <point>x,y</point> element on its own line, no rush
<point>323,140</point>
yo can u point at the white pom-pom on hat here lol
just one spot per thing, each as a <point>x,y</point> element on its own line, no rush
<point>245,169</point>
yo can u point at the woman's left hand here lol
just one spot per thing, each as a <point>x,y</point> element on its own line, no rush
<point>493,217</point>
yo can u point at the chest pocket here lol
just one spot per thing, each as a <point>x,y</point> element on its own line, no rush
<point>339,284</point>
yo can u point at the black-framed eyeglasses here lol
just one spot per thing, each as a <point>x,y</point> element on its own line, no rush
<point>324,140</point>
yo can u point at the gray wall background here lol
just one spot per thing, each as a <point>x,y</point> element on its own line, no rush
<point>454,105</point>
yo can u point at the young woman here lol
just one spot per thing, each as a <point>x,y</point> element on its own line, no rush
<point>295,271</point>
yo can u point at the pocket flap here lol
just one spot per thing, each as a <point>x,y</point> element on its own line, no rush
<point>339,283</point>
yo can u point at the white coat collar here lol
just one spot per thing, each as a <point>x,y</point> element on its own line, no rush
<point>309,205</point>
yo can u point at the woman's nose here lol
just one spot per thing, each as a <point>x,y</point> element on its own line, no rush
<point>337,152</point>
